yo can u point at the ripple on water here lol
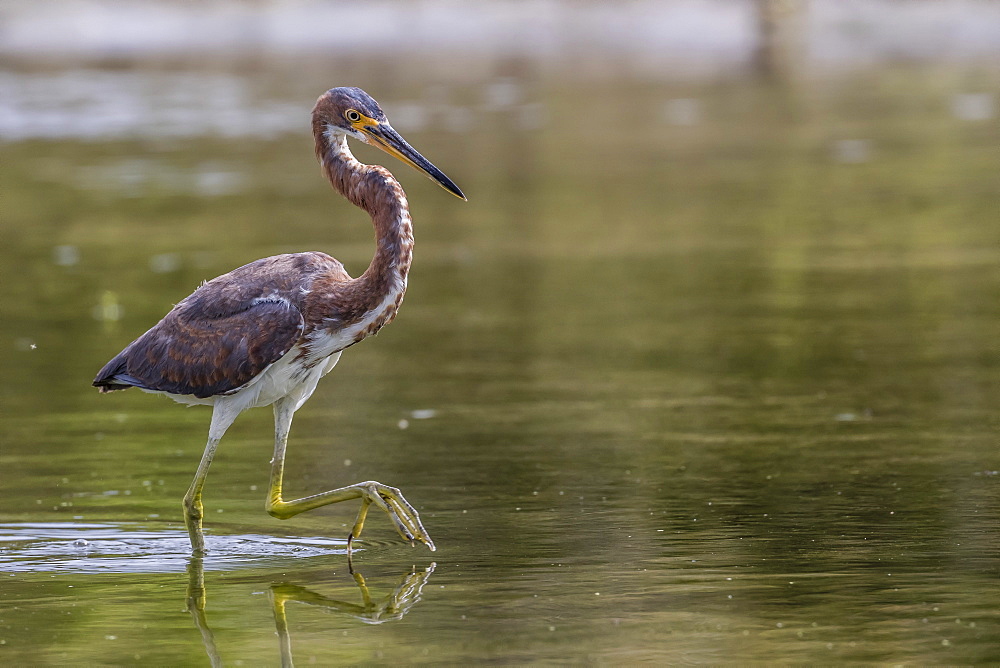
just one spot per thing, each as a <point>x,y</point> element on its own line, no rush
<point>134,548</point>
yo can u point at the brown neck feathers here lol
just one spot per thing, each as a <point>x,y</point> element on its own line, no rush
<point>372,188</point>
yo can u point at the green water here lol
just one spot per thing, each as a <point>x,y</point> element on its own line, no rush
<point>712,391</point>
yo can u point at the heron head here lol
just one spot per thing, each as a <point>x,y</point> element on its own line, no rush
<point>353,112</point>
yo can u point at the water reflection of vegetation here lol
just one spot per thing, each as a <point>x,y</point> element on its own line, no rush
<point>391,607</point>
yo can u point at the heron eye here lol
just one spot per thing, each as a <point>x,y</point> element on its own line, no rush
<point>352,116</point>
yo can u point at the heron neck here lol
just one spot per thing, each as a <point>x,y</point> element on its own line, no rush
<point>373,189</point>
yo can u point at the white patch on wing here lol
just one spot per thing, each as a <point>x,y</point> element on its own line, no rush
<point>270,299</point>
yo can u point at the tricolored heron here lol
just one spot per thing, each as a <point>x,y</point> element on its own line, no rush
<point>264,334</point>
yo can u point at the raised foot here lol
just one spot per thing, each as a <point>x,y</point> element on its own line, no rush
<point>403,516</point>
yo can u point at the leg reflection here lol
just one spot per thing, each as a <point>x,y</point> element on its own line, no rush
<point>196,606</point>
<point>392,606</point>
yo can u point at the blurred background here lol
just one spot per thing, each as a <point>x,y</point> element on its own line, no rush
<point>707,369</point>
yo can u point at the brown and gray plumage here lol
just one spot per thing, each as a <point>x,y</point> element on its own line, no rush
<point>264,334</point>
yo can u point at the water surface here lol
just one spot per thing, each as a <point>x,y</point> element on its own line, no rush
<point>702,373</point>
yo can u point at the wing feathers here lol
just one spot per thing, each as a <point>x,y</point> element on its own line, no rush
<point>205,356</point>
<point>224,334</point>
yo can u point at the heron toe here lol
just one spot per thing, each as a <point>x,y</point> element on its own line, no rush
<point>403,516</point>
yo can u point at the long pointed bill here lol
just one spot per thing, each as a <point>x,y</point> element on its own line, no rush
<point>384,137</point>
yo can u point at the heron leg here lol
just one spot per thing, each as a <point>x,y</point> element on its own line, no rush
<point>389,499</point>
<point>223,416</point>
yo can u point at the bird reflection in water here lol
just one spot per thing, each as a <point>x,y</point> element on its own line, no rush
<point>370,610</point>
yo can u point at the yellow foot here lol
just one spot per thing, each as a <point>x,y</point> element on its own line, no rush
<point>403,516</point>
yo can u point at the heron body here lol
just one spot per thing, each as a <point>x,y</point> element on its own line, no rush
<point>265,333</point>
